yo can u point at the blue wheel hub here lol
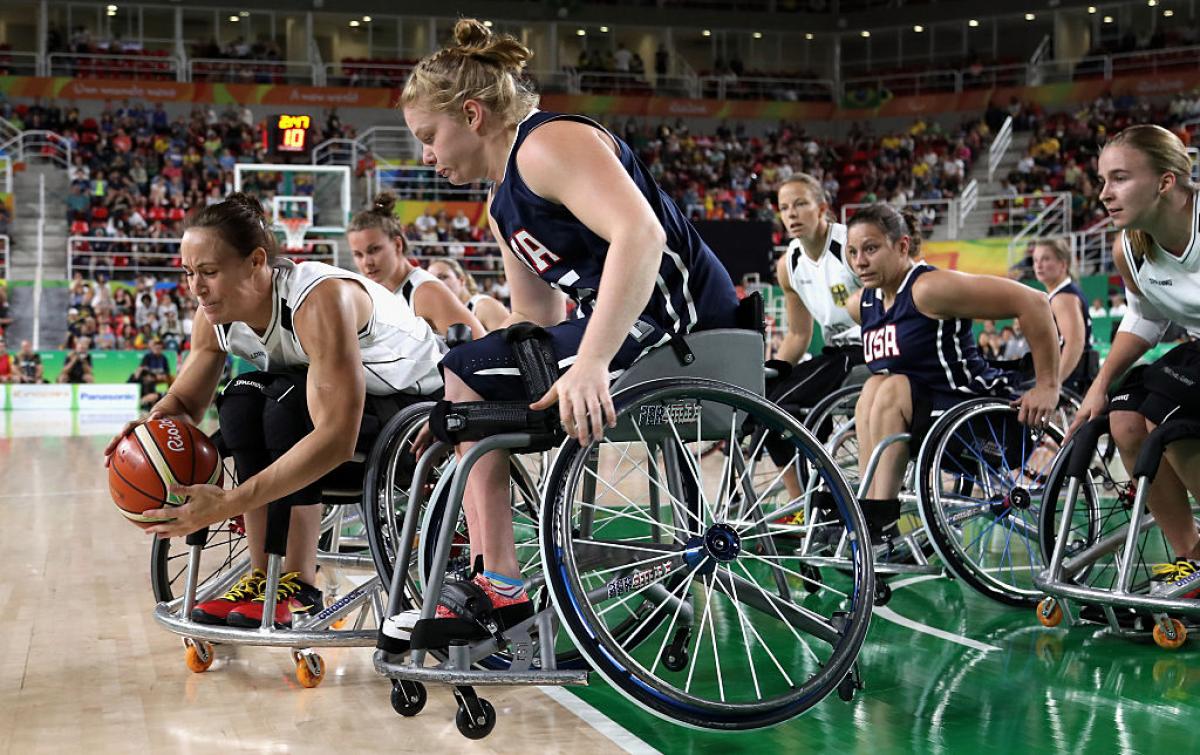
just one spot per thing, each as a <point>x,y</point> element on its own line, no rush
<point>722,543</point>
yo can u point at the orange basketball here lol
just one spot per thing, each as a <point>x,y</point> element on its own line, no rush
<point>156,455</point>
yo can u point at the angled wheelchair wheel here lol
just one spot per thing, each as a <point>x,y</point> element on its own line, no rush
<point>664,570</point>
<point>981,480</point>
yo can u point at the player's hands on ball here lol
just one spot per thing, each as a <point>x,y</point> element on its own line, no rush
<point>1037,406</point>
<point>206,504</point>
<point>129,427</point>
<point>585,405</point>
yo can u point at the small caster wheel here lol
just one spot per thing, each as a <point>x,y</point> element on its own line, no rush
<point>1049,612</point>
<point>408,698</point>
<point>812,578</point>
<point>310,670</point>
<point>675,659</point>
<point>850,684</point>
<point>198,655</point>
<point>1172,638</point>
<point>883,593</point>
<point>339,623</point>
<point>476,729</point>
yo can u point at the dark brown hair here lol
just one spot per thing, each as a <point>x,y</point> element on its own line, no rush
<point>241,223</point>
<point>382,215</point>
<point>894,224</point>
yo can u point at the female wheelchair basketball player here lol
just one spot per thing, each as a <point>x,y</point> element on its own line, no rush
<point>338,354</point>
<point>376,240</point>
<point>917,340</point>
<point>491,312</point>
<point>1078,361</point>
<point>1148,192</point>
<point>575,213</point>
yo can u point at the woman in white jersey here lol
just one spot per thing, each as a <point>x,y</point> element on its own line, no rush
<point>376,240</point>
<point>1149,195</point>
<point>816,284</point>
<point>462,284</point>
<point>337,355</point>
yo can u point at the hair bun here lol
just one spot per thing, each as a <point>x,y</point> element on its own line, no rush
<point>469,32</point>
<point>477,41</point>
<point>385,203</point>
<point>248,202</point>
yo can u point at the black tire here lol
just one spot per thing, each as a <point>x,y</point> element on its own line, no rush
<point>569,549</point>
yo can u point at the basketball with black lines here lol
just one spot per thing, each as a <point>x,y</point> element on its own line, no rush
<point>156,455</point>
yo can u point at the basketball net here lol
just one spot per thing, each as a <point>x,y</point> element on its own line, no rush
<point>293,231</point>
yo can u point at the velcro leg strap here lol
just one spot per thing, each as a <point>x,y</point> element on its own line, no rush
<point>535,357</point>
<point>682,351</point>
<point>474,420</point>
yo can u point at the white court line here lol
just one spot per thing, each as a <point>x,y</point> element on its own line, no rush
<point>616,733</point>
<point>889,615</point>
<point>54,492</point>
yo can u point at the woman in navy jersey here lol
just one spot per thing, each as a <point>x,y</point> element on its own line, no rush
<point>576,215</point>
<point>1052,266</point>
<point>918,342</point>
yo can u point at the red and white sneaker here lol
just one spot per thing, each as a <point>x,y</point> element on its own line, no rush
<point>295,597</point>
<point>217,610</point>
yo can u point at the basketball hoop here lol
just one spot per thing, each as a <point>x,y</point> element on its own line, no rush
<point>294,230</point>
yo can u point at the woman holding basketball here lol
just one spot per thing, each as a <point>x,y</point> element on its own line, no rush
<point>1149,194</point>
<point>338,354</point>
<point>575,214</point>
<point>377,243</point>
<point>462,284</point>
<point>918,342</point>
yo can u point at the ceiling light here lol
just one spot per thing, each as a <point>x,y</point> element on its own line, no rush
<point>758,35</point>
<point>1029,16</point>
<point>111,8</point>
<point>706,33</point>
<point>488,24</point>
<point>973,23</point>
<point>604,30</point>
<point>1108,19</point>
<point>809,35</point>
<point>366,19</point>
<point>234,19</point>
<point>918,28</point>
<point>354,23</point>
<point>581,32</point>
<point>1168,13</point>
<point>1152,3</point>
<point>1091,9</point>
<point>111,13</point>
<point>244,13</point>
<point>864,33</point>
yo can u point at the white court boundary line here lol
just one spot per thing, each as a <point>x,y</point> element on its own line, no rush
<point>617,734</point>
<point>888,614</point>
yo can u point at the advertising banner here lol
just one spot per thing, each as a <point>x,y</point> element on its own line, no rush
<point>54,396</point>
<point>93,397</point>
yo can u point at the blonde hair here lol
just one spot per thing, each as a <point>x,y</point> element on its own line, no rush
<point>382,215</point>
<point>467,279</point>
<point>815,190</point>
<point>482,66</point>
<point>1166,154</point>
<point>1062,252</point>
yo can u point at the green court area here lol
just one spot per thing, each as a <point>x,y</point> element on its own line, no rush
<point>979,678</point>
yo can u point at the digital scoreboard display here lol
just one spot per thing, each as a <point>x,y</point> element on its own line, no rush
<point>290,133</point>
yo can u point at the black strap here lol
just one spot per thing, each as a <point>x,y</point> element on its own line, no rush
<point>534,352</point>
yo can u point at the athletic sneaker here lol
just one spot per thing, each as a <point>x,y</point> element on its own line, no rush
<point>1182,572</point>
<point>217,610</point>
<point>504,611</point>
<point>295,597</point>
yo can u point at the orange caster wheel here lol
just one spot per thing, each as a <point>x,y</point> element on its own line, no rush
<point>340,623</point>
<point>1170,639</point>
<point>198,656</point>
<point>310,670</point>
<point>1049,612</point>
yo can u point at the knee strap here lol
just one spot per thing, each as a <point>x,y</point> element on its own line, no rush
<point>534,352</point>
<point>474,420</point>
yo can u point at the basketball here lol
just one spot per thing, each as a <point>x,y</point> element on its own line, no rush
<point>158,454</point>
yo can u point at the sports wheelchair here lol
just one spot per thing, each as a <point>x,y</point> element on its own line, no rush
<point>972,497</point>
<point>1103,543</point>
<point>647,561</point>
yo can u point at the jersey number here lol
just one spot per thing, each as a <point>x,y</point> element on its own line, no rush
<point>535,252</point>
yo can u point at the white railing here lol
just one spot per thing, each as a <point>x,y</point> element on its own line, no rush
<point>35,145</point>
<point>1091,248</point>
<point>19,63</point>
<point>999,147</point>
<point>420,182</point>
<point>6,171</point>
<point>353,72</point>
<point>388,144</point>
<point>252,71</point>
<point>967,202</point>
<point>1024,214</point>
<point>1053,221</point>
<point>5,244</point>
<point>131,256</point>
<point>765,87</point>
<point>912,83</point>
<point>480,258</point>
<point>39,271</point>
<point>159,65</point>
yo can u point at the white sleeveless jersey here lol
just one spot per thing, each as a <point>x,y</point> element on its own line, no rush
<point>825,285</point>
<point>1170,285</point>
<point>400,354</point>
<point>417,277</point>
<point>474,302</point>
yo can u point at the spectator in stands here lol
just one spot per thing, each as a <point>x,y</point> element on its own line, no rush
<point>29,365</point>
<point>1097,309</point>
<point>154,369</point>
<point>990,345</point>
<point>8,365</point>
<point>78,366</point>
<point>1116,307</point>
<point>5,317</point>
<point>1015,345</point>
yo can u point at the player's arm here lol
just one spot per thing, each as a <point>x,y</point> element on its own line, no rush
<point>1072,329</point>
<point>799,320</point>
<point>192,392</point>
<point>491,313</point>
<point>327,324</point>
<point>854,306</point>
<point>564,162</point>
<point>434,302</point>
<point>1141,327</point>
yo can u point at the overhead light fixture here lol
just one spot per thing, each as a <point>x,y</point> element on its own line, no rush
<point>488,24</point>
<point>234,19</point>
<point>1029,16</point>
<point>354,24</point>
<point>1108,19</point>
<point>1091,9</point>
<point>918,28</point>
<point>706,33</point>
<point>366,19</point>
<point>111,13</point>
<point>111,8</point>
<point>1152,3</point>
<point>1168,13</point>
<point>864,33</point>
<point>758,35</point>
<point>581,32</point>
<point>244,13</point>
<point>808,36</point>
<point>973,23</point>
<point>604,30</point>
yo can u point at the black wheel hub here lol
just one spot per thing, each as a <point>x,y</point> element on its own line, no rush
<point>722,543</point>
<point>1019,498</point>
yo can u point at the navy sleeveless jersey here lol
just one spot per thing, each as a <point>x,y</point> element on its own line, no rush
<point>693,290</point>
<point>1070,287</point>
<point>937,354</point>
